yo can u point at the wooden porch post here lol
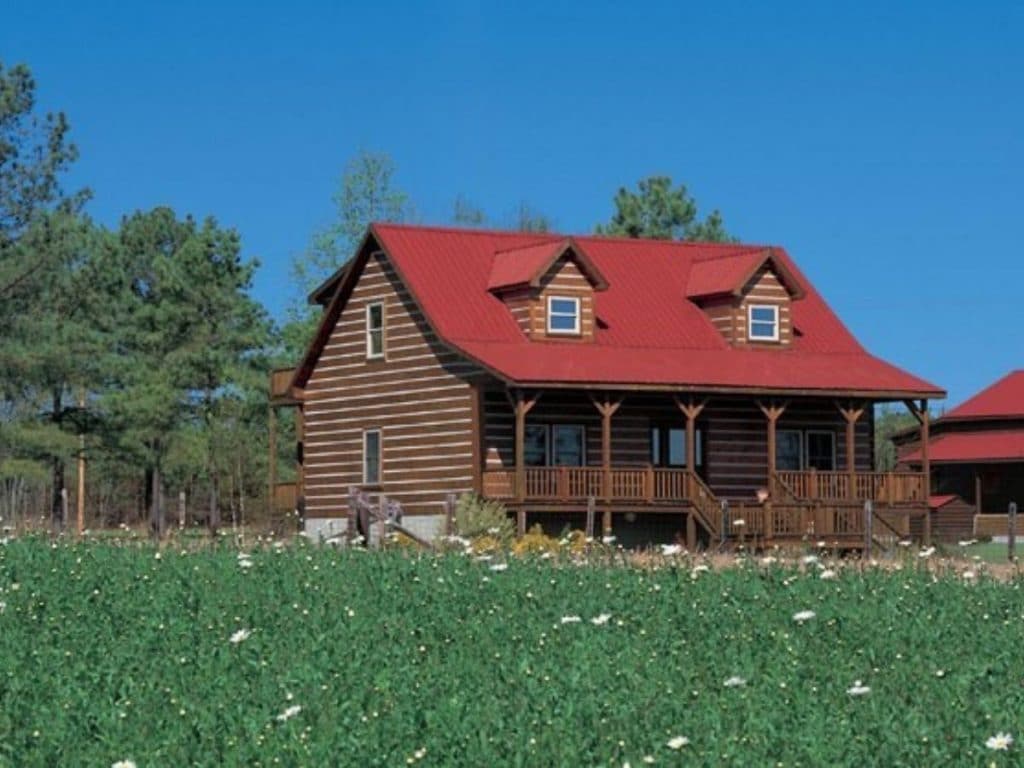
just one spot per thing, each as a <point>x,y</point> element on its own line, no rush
<point>521,406</point>
<point>977,493</point>
<point>476,427</point>
<point>920,412</point>
<point>607,408</point>
<point>851,413</point>
<point>272,462</point>
<point>691,410</point>
<point>772,412</point>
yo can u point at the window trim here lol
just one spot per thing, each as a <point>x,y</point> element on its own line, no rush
<point>775,323</point>
<point>380,456</point>
<point>575,331</point>
<point>807,448</point>
<point>370,354</point>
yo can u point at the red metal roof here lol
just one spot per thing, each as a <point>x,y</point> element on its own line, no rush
<point>727,274</point>
<point>648,332</point>
<point>518,266</point>
<point>936,501</point>
<point>974,447</point>
<point>1004,399</point>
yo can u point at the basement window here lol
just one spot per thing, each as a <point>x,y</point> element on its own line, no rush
<point>563,314</point>
<point>763,322</point>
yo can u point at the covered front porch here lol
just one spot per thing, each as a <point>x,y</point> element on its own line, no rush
<point>793,467</point>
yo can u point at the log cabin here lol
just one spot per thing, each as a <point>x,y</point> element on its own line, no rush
<point>976,458</point>
<point>691,391</point>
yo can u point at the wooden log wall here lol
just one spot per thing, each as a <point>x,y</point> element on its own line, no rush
<point>734,433</point>
<point>419,396</point>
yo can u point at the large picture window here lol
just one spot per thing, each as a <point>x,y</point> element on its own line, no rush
<point>668,447</point>
<point>821,450</point>
<point>555,445</point>
<point>535,447</point>
<point>568,445</point>
<point>797,450</point>
<point>789,455</point>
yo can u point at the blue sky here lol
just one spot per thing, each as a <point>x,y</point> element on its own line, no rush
<point>881,144</point>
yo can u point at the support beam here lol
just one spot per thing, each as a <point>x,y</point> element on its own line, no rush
<point>851,413</point>
<point>607,407</point>
<point>476,429</point>
<point>920,412</point>
<point>772,412</point>
<point>977,493</point>
<point>521,405</point>
<point>691,409</point>
<point>272,462</point>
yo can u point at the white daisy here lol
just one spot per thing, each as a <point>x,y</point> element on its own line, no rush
<point>678,742</point>
<point>669,550</point>
<point>802,616</point>
<point>810,559</point>
<point>926,552</point>
<point>1000,742</point>
<point>607,539</point>
<point>602,619</point>
<point>499,567</point>
<point>828,574</point>
<point>735,682</point>
<point>123,764</point>
<point>571,619</point>
<point>857,689</point>
<point>289,713</point>
<point>240,635</point>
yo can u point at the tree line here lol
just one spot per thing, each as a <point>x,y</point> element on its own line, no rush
<point>141,348</point>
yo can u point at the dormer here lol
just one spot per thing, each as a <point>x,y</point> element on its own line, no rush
<point>747,296</point>
<point>549,289</point>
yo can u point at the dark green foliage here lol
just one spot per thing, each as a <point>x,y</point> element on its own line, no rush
<point>659,211</point>
<point>108,653</point>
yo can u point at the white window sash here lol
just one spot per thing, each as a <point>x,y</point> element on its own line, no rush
<point>774,322</point>
<point>575,314</point>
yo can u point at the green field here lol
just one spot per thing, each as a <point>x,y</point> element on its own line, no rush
<point>110,653</point>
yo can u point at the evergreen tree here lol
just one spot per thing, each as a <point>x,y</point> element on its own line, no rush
<point>659,211</point>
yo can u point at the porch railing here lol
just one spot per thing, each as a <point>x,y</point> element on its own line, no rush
<point>885,487</point>
<point>579,483</point>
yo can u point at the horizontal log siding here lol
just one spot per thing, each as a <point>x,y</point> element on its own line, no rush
<point>418,397</point>
<point>564,279</point>
<point>735,433</point>
<point>764,288</point>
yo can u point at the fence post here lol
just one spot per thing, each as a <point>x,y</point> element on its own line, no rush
<point>869,538</point>
<point>591,511</point>
<point>63,509</point>
<point>350,524</point>
<point>1011,538</point>
<point>181,509</point>
<point>382,523</point>
<point>449,514</point>
<point>725,522</point>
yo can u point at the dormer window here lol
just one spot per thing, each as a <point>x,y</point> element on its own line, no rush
<point>563,314</point>
<point>763,322</point>
<point>375,331</point>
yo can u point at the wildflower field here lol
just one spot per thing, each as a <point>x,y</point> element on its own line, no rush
<point>303,656</point>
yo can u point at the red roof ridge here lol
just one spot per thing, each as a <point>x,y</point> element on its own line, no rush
<point>544,237</point>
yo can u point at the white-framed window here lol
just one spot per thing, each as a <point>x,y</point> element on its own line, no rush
<point>372,457</point>
<point>820,450</point>
<point>763,322</point>
<point>375,331</point>
<point>563,314</point>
